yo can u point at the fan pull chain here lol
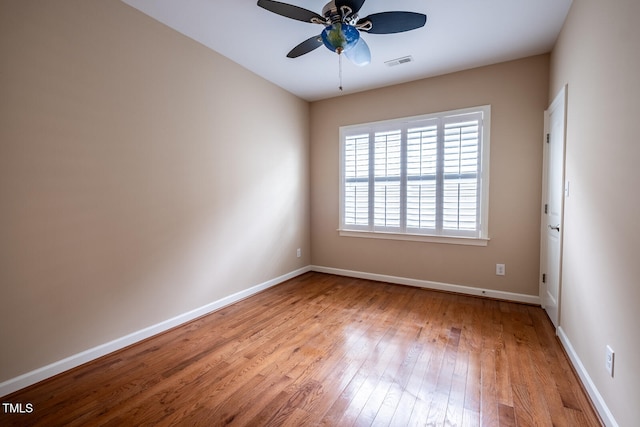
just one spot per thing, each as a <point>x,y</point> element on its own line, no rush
<point>340,70</point>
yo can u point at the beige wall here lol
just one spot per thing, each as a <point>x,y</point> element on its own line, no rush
<point>517,93</point>
<point>598,56</point>
<point>141,176</point>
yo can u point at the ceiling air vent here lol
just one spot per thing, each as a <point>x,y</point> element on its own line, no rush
<point>398,61</point>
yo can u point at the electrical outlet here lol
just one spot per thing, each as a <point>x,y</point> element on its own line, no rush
<point>500,270</point>
<point>298,252</point>
<point>610,360</point>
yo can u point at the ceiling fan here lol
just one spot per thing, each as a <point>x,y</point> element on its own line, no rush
<point>343,26</point>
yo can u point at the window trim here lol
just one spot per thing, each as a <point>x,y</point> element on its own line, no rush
<point>402,123</point>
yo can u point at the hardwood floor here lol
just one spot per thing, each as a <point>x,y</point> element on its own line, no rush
<point>332,351</point>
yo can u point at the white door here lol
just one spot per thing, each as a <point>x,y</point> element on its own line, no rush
<point>553,194</point>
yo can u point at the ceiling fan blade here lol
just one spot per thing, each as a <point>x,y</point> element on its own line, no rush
<point>289,11</point>
<point>391,22</point>
<point>354,5</point>
<point>306,46</point>
<point>360,53</point>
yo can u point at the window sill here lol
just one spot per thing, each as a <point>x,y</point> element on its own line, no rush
<point>467,241</point>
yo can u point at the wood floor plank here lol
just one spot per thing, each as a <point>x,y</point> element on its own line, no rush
<point>506,415</point>
<point>440,398</point>
<point>455,404</point>
<point>488,395</point>
<point>410,395</point>
<point>396,376</point>
<point>470,418</point>
<point>333,351</point>
<point>358,410</point>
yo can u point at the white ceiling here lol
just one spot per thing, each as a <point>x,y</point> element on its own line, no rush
<point>459,34</point>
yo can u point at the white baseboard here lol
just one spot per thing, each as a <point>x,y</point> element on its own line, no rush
<point>25,380</point>
<point>467,290</point>
<point>598,401</point>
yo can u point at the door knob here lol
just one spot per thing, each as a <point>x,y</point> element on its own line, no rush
<point>557,227</point>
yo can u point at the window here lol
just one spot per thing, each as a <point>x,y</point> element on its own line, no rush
<point>418,178</point>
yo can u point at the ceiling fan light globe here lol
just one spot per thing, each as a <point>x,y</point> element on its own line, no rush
<point>340,37</point>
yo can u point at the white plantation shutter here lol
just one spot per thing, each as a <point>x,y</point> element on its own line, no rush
<point>421,176</point>
<point>461,174</point>
<point>356,187</point>
<point>422,162</point>
<point>387,173</point>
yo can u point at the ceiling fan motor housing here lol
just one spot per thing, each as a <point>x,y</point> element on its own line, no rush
<point>330,10</point>
<point>333,15</point>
